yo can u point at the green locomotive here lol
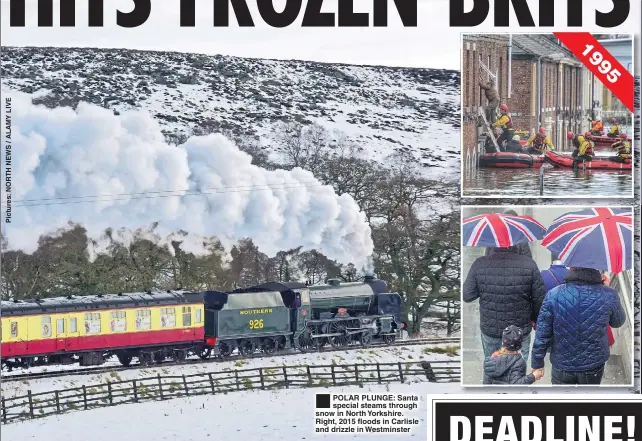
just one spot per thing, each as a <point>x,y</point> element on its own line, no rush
<point>275,316</point>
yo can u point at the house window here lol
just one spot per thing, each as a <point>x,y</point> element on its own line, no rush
<point>14,329</point>
<point>168,317</point>
<point>92,323</point>
<point>187,316</point>
<point>46,326</point>
<point>73,325</point>
<point>143,319</point>
<point>118,321</point>
<point>198,315</point>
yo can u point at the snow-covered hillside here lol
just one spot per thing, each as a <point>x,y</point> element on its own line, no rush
<point>384,109</point>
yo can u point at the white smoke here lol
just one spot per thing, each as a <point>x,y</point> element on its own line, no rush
<point>62,158</point>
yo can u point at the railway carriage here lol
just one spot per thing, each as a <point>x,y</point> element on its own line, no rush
<point>155,326</point>
<point>89,329</point>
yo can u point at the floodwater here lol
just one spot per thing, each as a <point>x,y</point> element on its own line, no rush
<point>557,182</point>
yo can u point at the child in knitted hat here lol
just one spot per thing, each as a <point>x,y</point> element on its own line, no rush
<point>507,366</point>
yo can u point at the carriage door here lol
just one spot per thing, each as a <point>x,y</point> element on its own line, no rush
<point>60,334</point>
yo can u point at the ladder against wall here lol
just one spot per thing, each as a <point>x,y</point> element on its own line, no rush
<point>481,138</point>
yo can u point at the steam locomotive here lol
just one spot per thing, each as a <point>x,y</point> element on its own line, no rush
<point>155,326</point>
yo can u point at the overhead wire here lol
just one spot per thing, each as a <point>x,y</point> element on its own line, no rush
<point>160,194</point>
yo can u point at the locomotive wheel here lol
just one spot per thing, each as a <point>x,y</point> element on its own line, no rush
<point>124,359</point>
<point>247,347</point>
<point>269,345</point>
<point>205,353</point>
<point>305,341</point>
<point>159,357</point>
<point>280,342</point>
<point>338,341</point>
<point>225,349</point>
<point>365,338</point>
<point>388,339</point>
<point>319,342</point>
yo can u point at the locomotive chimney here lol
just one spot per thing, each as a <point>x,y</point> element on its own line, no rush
<point>368,279</point>
<point>334,282</point>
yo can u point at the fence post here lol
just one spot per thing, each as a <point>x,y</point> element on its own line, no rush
<point>185,384</point>
<point>84,396</point>
<point>30,403</point>
<point>57,401</point>
<point>356,373</point>
<point>212,383</point>
<point>379,373</point>
<point>4,411</point>
<point>236,377</point>
<point>111,397</point>
<point>285,377</point>
<point>307,368</point>
<point>261,377</point>
<point>160,387</point>
<point>400,372</point>
<point>334,377</point>
<point>135,386</point>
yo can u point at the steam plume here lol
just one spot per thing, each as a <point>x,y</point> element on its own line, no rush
<point>121,164</point>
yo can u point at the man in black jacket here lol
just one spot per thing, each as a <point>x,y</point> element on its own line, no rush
<point>510,290</point>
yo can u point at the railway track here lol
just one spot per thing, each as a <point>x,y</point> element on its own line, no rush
<point>103,369</point>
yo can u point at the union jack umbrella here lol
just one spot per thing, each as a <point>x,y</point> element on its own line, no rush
<point>500,230</point>
<point>598,238</point>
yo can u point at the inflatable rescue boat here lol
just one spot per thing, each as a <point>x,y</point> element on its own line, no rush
<point>566,161</point>
<point>510,160</point>
<point>605,140</point>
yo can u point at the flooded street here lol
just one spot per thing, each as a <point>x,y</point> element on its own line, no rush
<point>557,182</point>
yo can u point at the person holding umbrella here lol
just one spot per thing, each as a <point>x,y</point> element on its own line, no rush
<point>507,283</point>
<point>574,318</point>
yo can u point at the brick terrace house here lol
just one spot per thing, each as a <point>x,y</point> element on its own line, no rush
<point>493,51</point>
<point>548,86</point>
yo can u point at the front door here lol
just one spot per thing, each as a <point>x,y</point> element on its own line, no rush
<point>60,334</point>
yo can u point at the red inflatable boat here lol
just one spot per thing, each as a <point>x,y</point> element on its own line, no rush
<point>566,161</point>
<point>510,160</point>
<point>605,140</point>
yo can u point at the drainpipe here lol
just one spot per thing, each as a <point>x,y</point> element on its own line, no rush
<point>592,97</point>
<point>581,92</point>
<point>539,92</point>
<point>510,64</point>
<point>557,105</point>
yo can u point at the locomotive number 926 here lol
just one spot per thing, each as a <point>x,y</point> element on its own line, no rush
<point>256,324</point>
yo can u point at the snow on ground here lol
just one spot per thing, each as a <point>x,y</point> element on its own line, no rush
<point>391,354</point>
<point>285,415</point>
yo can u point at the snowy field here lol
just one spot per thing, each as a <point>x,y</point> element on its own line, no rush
<point>284,415</point>
<point>392,354</point>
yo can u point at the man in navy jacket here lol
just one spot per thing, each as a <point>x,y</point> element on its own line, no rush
<point>573,323</point>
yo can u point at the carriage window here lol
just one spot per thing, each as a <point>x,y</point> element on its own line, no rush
<point>168,317</point>
<point>143,319</point>
<point>118,321</point>
<point>198,315</point>
<point>46,326</point>
<point>187,316</point>
<point>61,326</point>
<point>14,329</point>
<point>92,323</point>
<point>73,325</point>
